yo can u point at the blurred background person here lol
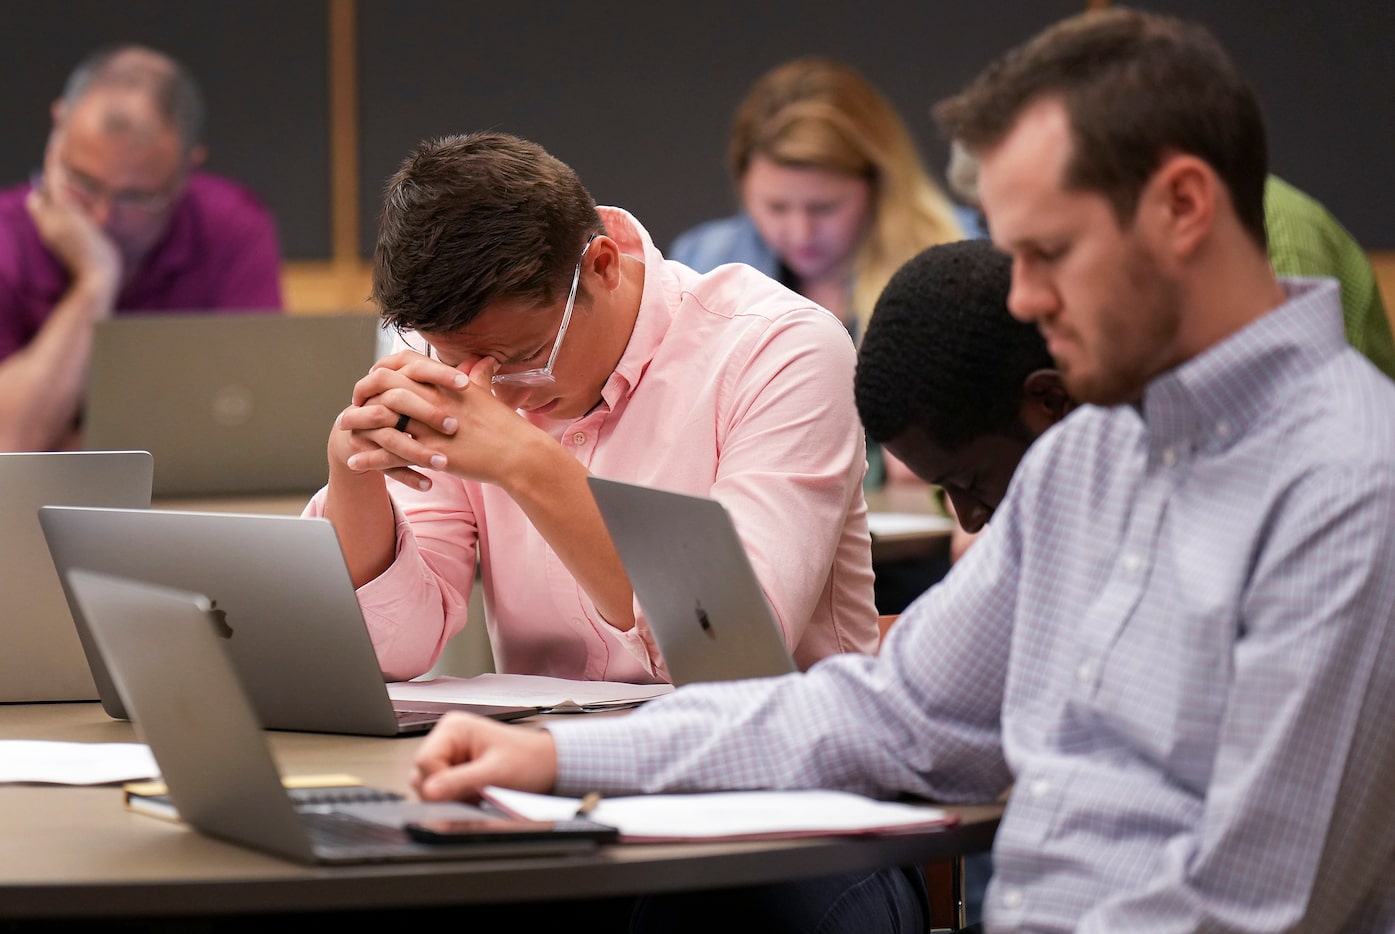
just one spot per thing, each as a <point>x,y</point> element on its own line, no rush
<point>834,199</point>
<point>834,194</point>
<point>121,218</point>
<point>1306,240</point>
<point>961,174</point>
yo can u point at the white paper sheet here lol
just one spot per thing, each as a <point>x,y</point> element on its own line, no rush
<point>728,815</point>
<point>23,760</point>
<point>904,524</point>
<point>526,691</point>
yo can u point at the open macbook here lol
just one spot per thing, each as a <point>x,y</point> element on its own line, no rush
<point>41,655</point>
<point>169,660</point>
<point>284,603</point>
<point>238,403</point>
<point>692,578</point>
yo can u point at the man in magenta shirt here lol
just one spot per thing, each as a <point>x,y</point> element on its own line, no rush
<point>553,340</point>
<point>120,219</point>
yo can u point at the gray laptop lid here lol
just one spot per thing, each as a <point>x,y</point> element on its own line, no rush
<point>41,653</point>
<point>227,402</point>
<point>283,597</point>
<point>168,660</point>
<point>692,578</point>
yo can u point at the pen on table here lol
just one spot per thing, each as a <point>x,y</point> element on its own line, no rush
<point>588,804</point>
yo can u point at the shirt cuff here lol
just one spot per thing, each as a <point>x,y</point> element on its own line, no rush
<point>597,754</point>
<point>639,641</point>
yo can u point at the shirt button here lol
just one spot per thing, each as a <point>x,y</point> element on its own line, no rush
<point>579,438</point>
<point>1223,429</point>
<point>1012,898</point>
<point>1085,671</point>
<point>578,621</point>
<point>1132,562</point>
<point>1038,787</point>
<point>1169,456</point>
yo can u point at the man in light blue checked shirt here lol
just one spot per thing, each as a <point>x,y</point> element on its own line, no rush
<point>1176,640</point>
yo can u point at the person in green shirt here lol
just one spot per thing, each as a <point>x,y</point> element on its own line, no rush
<point>1306,240</point>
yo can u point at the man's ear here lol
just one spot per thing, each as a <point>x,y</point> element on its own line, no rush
<point>198,155</point>
<point>1044,399</point>
<point>1183,195</point>
<point>58,110</point>
<point>603,256</point>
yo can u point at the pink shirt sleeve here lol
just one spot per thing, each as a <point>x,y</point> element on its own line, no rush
<point>415,606</point>
<point>790,473</point>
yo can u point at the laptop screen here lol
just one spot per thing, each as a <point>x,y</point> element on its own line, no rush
<point>238,403</point>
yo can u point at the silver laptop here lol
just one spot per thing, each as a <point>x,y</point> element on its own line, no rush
<point>169,662</point>
<point>283,599</point>
<point>227,402</point>
<point>692,578</point>
<point>41,654</point>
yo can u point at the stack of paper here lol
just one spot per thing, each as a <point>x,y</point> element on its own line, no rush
<point>549,695</point>
<point>731,815</point>
<point>896,525</point>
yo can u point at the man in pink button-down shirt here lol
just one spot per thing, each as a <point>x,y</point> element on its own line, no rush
<point>549,339</point>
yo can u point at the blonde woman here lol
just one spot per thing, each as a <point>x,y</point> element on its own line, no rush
<point>835,199</point>
<point>834,194</point>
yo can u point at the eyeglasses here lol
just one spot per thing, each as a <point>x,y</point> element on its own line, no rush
<point>90,191</point>
<point>539,376</point>
<point>542,376</point>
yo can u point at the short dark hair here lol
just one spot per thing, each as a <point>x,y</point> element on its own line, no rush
<point>1137,87</point>
<point>474,219</point>
<point>942,352</point>
<point>168,83</point>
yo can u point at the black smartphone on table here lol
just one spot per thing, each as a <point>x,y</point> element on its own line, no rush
<point>513,829</point>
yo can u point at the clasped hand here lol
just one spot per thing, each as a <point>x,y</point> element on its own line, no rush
<point>84,249</point>
<point>454,421</point>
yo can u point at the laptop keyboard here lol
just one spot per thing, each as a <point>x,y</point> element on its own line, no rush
<point>340,834</point>
<point>337,835</point>
<point>350,794</point>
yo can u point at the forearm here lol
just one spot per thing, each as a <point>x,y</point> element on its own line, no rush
<point>850,723</point>
<point>636,753</point>
<point>921,717</point>
<point>42,385</point>
<point>360,509</point>
<point>550,487</point>
<point>422,598</point>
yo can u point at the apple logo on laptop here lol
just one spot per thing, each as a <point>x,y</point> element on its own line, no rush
<point>704,622</point>
<point>219,618</point>
<point>232,405</point>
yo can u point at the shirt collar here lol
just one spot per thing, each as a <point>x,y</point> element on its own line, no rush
<point>1211,399</point>
<point>661,295</point>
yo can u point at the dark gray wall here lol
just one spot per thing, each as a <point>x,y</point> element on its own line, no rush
<point>1325,76</point>
<point>636,94</point>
